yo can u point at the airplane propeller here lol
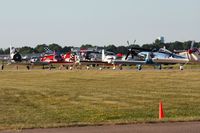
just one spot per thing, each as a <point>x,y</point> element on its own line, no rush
<point>128,43</point>
<point>131,52</point>
<point>191,50</point>
<point>17,57</point>
<point>135,51</point>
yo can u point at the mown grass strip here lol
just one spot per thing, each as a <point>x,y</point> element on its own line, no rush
<point>43,98</point>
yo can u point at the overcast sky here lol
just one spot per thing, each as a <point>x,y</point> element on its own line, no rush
<point>97,22</point>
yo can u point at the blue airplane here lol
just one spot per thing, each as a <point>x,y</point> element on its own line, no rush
<point>140,57</point>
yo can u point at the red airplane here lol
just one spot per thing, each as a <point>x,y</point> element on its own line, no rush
<point>57,58</point>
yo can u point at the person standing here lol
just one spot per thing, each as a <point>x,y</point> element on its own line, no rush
<point>2,67</point>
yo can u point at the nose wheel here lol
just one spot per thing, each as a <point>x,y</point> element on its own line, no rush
<point>159,67</point>
<point>181,67</point>
<point>139,67</point>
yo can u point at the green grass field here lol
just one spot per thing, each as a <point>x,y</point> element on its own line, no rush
<point>44,98</point>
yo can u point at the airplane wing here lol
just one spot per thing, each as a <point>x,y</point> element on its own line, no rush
<point>128,62</point>
<point>170,61</point>
<point>93,62</point>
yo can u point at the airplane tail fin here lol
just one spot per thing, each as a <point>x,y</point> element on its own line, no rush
<point>11,55</point>
<point>103,55</point>
<point>12,51</point>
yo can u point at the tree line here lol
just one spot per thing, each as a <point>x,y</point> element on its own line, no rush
<point>112,48</point>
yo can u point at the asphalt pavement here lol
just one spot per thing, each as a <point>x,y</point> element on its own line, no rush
<point>176,127</point>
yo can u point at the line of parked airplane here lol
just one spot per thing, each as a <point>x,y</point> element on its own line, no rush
<point>135,56</point>
<point>75,56</point>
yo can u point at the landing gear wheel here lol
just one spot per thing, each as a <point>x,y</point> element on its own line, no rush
<point>139,67</point>
<point>120,67</point>
<point>114,67</point>
<point>160,67</point>
<point>181,67</point>
<point>17,57</point>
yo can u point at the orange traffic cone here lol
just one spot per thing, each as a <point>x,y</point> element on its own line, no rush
<point>161,112</point>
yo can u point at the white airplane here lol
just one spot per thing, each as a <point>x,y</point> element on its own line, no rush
<point>108,56</point>
<point>93,56</point>
<point>15,56</point>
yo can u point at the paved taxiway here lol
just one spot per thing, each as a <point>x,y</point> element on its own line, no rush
<point>179,127</point>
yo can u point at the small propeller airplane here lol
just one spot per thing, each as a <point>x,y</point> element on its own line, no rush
<point>13,57</point>
<point>93,56</point>
<point>140,57</point>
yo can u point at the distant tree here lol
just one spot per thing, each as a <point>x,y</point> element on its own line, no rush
<point>85,46</point>
<point>178,45</point>
<point>1,51</point>
<point>158,44</point>
<point>198,45</point>
<point>148,46</point>
<point>7,51</point>
<point>187,45</point>
<point>111,48</point>
<point>55,47</point>
<point>169,46</point>
<point>157,41</point>
<point>133,46</point>
<point>122,49</point>
<point>26,50</point>
<point>66,49</point>
<point>40,48</point>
